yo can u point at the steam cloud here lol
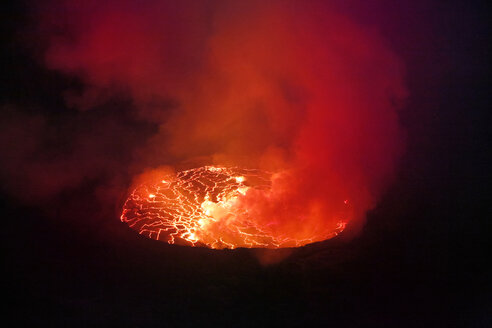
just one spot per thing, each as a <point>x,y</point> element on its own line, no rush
<point>288,86</point>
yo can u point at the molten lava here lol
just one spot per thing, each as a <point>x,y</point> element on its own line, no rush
<point>203,207</point>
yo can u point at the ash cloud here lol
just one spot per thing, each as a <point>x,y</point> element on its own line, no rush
<point>286,86</point>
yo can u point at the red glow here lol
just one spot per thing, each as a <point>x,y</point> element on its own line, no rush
<point>295,88</point>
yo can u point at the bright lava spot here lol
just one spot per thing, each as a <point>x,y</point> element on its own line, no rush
<point>202,207</point>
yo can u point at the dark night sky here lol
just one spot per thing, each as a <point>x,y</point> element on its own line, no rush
<point>420,261</point>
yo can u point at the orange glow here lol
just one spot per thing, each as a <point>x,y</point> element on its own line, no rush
<point>207,207</point>
<point>295,88</point>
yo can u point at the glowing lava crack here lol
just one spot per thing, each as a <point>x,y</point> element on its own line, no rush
<point>199,207</point>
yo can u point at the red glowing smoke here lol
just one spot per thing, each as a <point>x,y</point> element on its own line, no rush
<point>285,86</point>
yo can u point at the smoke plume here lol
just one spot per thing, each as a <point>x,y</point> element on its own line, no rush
<point>294,87</point>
